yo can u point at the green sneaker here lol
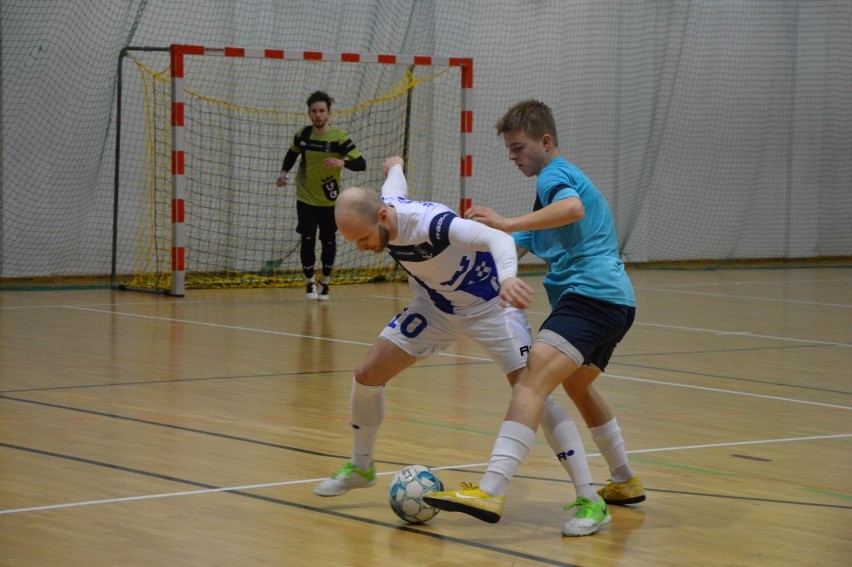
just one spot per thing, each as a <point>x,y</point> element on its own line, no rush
<point>469,500</point>
<point>588,517</point>
<point>348,477</point>
<point>621,493</point>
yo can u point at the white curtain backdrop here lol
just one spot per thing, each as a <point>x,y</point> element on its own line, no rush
<point>717,129</point>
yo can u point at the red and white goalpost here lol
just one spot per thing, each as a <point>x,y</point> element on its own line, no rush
<point>182,55</point>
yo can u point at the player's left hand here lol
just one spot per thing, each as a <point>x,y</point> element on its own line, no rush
<point>515,292</point>
<point>486,216</point>
<point>333,162</point>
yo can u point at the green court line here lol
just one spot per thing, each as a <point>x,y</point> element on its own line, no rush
<point>679,467</point>
<point>827,493</point>
<point>452,427</point>
<point>493,434</point>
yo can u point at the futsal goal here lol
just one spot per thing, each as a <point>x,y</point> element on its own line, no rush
<point>201,133</point>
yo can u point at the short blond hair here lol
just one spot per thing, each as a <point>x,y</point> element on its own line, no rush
<point>532,117</point>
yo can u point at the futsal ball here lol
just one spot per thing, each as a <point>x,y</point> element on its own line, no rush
<point>406,491</point>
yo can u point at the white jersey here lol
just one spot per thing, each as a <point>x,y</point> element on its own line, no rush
<point>452,277</point>
<point>454,266</point>
<point>449,258</point>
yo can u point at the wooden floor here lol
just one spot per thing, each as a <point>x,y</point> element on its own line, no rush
<point>138,429</point>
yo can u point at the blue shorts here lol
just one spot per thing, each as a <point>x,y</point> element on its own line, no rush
<point>586,329</point>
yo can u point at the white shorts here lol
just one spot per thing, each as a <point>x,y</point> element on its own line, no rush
<point>422,330</point>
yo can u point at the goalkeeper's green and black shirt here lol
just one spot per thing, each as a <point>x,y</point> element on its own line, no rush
<point>316,184</point>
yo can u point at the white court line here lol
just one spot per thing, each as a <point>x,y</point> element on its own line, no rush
<point>281,333</point>
<point>466,357</point>
<point>250,329</point>
<point>743,283</point>
<point>123,304</point>
<point>312,480</point>
<point>748,297</point>
<point>742,333</point>
<point>722,391</point>
<point>300,336</point>
<point>700,329</point>
<point>736,443</point>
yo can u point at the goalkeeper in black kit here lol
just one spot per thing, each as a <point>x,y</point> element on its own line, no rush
<point>325,151</point>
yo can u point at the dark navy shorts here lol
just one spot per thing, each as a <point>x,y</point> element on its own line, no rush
<point>586,329</point>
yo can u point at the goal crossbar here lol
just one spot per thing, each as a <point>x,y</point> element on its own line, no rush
<point>179,55</point>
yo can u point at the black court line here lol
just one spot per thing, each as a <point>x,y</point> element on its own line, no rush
<point>740,498</point>
<point>172,426</point>
<point>297,505</point>
<point>172,381</point>
<point>681,492</point>
<point>384,462</point>
<point>751,458</point>
<point>214,378</point>
<point>616,361</point>
<point>194,430</point>
<point>709,495</point>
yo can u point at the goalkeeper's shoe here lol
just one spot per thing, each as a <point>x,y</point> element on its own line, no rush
<point>348,477</point>
<point>311,291</point>
<point>323,292</point>
<point>621,493</point>
<point>588,517</point>
<point>470,500</point>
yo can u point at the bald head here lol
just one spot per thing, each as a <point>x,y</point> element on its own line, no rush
<point>361,217</point>
<point>357,204</point>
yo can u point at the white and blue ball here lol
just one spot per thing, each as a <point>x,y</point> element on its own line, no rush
<point>406,491</point>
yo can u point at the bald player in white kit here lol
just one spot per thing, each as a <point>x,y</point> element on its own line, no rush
<point>463,278</point>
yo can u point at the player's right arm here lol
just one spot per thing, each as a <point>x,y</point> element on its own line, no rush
<point>289,162</point>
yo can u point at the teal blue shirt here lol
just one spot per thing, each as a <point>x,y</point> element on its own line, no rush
<point>582,257</point>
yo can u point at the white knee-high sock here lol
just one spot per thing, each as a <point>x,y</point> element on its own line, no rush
<point>512,445</point>
<point>564,439</point>
<point>367,410</point>
<point>609,441</point>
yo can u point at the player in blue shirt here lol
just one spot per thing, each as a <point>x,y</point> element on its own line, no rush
<point>593,306</point>
<point>463,281</point>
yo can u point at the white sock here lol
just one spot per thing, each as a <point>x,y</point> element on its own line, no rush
<point>564,439</point>
<point>609,441</point>
<point>367,410</point>
<point>512,445</point>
